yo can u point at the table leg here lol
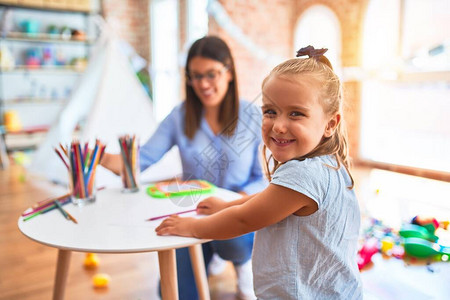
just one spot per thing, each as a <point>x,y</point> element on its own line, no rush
<point>168,273</point>
<point>62,270</point>
<point>198,266</point>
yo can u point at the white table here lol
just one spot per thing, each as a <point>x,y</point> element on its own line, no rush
<point>115,223</point>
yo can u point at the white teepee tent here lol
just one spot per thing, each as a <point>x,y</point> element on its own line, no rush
<point>112,102</point>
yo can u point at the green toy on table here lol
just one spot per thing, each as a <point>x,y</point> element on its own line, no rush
<point>176,188</point>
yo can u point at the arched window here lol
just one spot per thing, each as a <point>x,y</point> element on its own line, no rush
<point>318,26</point>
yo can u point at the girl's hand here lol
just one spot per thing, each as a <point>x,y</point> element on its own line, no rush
<point>210,206</point>
<point>175,225</point>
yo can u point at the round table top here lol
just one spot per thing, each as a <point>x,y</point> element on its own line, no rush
<point>115,223</point>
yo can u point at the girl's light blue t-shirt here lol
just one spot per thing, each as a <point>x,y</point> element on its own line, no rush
<point>228,162</point>
<point>311,257</point>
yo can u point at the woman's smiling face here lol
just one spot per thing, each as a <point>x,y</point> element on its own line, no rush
<point>210,80</point>
<point>294,121</point>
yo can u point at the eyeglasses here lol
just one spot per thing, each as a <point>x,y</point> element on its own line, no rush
<point>211,76</point>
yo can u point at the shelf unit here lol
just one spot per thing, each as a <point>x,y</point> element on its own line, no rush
<point>46,65</point>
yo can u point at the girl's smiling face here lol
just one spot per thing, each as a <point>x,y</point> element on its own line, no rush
<point>294,121</point>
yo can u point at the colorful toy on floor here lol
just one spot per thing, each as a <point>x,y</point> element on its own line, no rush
<point>101,280</point>
<point>91,261</point>
<point>387,244</point>
<point>369,248</point>
<point>419,247</point>
<point>417,231</point>
<point>420,239</point>
<point>430,223</point>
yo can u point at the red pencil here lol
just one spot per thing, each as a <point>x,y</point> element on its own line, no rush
<point>62,158</point>
<point>177,213</point>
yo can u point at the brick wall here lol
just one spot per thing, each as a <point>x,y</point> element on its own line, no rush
<point>270,24</point>
<point>130,20</point>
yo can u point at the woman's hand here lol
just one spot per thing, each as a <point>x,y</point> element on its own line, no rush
<point>211,205</point>
<point>175,225</point>
<point>112,162</point>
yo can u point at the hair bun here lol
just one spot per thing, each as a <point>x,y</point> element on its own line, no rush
<point>311,52</point>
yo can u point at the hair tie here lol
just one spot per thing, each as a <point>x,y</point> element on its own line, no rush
<point>311,52</point>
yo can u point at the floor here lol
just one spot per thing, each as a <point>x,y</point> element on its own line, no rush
<point>27,268</point>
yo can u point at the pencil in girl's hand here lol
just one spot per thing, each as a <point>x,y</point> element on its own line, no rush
<point>176,213</point>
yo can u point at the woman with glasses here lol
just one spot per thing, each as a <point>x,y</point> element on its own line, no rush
<point>218,136</point>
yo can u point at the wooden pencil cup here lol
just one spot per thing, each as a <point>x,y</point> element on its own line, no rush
<point>129,151</point>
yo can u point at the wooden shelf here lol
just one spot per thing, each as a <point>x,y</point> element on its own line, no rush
<point>27,138</point>
<point>74,6</point>
<point>30,130</point>
<point>44,69</point>
<point>33,101</point>
<point>44,38</point>
<point>425,76</point>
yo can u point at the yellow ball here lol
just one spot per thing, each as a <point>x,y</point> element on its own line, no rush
<point>101,280</point>
<point>91,261</point>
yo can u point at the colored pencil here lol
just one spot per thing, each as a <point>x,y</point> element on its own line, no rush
<point>165,216</point>
<point>81,164</point>
<point>44,205</point>
<point>40,203</point>
<point>65,213</point>
<point>129,152</point>
<point>62,158</point>
<point>43,210</point>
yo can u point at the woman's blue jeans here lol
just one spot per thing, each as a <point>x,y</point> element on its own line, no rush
<point>237,250</point>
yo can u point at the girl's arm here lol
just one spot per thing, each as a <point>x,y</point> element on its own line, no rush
<point>212,205</point>
<point>266,208</point>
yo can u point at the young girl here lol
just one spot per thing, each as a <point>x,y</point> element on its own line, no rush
<point>218,137</point>
<point>307,220</point>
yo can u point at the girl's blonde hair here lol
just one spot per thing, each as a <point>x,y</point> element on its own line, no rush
<point>331,97</point>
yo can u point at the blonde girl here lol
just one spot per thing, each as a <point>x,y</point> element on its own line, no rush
<point>307,219</point>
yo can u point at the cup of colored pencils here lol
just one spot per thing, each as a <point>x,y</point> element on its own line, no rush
<point>81,163</point>
<point>129,151</point>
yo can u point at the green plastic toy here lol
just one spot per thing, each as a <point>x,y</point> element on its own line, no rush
<point>417,231</point>
<point>419,247</point>
<point>177,188</point>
